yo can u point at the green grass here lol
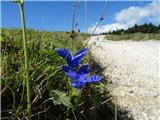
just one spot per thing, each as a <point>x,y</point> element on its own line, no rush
<point>134,37</point>
<point>51,95</point>
<point>44,66</point>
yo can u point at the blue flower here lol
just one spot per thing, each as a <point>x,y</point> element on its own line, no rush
<point>84,70</point>
<point>72,61</point>
<point>80,78</point>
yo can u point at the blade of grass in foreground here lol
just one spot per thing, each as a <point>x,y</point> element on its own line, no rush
<point>21,4</point>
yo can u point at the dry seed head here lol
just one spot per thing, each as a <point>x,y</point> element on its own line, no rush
<point>18,1</point>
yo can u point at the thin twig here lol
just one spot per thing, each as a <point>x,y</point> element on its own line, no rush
<point>4,89</point>
<point>100,103</point>
<point>41,111</point>
<point>99,21</point>
<point>74,115</point>
<point>15,115</point>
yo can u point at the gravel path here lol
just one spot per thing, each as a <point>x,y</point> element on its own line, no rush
<point>133,72</point>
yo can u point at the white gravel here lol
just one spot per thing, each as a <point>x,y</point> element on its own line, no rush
<point>133,72</point>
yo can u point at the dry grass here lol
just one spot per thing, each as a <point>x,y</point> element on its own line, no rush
<point>134,37</point>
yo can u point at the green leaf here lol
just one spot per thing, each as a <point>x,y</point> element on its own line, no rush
<point>65,100</point>
<point>2,39</point>
<point>56,99</point>
<point>59,97</point>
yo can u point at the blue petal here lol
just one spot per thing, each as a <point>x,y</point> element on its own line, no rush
<point>81,51</point>
<point>64,53</point>
<point>78,85</point>
<point>84,69</point>
<point>72,62</point>
<point>77,59</point>
<point>71,74</point>
<point>93,78</point>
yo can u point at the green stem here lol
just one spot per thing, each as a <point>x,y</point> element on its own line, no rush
<point>26,60</point>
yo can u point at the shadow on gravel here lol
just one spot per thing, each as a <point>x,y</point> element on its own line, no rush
<point>106,111</point>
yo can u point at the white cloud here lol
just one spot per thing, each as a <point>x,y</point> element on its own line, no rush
<point>108,27</point>
<point>132,15</point>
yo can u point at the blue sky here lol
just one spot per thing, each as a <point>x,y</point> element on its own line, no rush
<point>57,16</point>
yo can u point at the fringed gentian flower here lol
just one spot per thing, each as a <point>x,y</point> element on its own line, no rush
<point>81,76</point>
